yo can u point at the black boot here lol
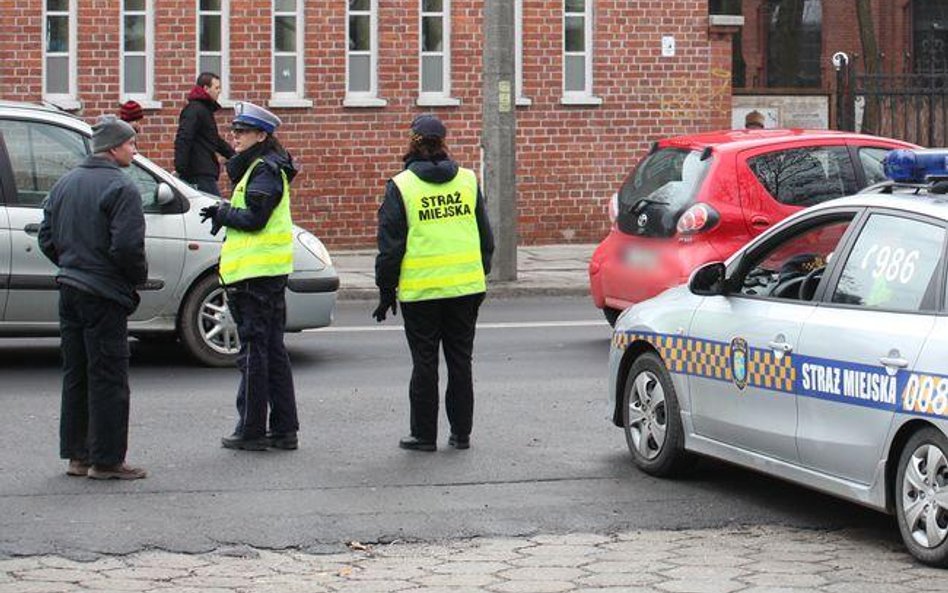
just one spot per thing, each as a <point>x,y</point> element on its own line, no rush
<point>286,441</point>
<point>236,441</point>
<point>413,443</point>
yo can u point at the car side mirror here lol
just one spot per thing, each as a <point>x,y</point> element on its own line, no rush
<point>708,280</point>
<point>164,195</point>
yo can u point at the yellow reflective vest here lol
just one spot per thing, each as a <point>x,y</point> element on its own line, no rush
<point>443,252</point>
<point>258,254</point>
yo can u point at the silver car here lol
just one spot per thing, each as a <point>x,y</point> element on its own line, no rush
<point>182,297</point>
<point>816,354</point>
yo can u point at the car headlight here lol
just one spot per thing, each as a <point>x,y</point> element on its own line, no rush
<point>315,246</point>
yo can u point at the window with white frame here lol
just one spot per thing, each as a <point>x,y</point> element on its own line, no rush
<point>138,43</point>
<point>362,59</point>
<point>213,40</point>
<point>518,53</point>
<point>577,49</point>
<point>435,50</point>
<point>59,50</point>
<point>287,49</point>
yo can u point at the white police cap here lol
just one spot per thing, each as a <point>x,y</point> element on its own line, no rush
<point>248,115</point>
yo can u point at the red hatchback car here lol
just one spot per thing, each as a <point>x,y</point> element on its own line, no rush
<point>696,199</point>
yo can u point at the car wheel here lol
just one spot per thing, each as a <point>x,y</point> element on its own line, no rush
<point>208,330</point>
<point>612,315</point>
<point>652,420</point>
<point>921,496</point>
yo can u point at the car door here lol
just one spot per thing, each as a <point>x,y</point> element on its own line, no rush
<point>165,245</point>
<point>6,193</point>
<point>39,153</point>
<point>775,183</point>
<point>857,349</point>
<point>756,326</point>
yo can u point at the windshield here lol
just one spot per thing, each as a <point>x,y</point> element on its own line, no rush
<point>663,185</point>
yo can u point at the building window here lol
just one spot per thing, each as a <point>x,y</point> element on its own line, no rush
<point>930,35</point>
<point>794,43</point>
<point>214,41</point>
<point>287,49</point>
<point>435,52</point>
<point>138,44</point>
<point>59,51</point>
<point>577,49</point>
<point>362,56</point>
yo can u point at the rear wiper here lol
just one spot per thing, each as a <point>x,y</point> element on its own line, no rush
<point>637,207</point>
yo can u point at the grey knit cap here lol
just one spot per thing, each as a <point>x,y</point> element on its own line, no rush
<point>109,132</point>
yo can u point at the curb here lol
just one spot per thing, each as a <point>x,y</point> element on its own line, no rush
<point>495,290</point>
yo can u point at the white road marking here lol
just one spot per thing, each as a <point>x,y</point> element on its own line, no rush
<point>496,325</point>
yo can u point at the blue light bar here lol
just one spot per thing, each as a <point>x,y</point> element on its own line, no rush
<point>916,166</point>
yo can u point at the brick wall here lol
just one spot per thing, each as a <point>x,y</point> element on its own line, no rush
<point>570,158</point>
<point>892,20</point>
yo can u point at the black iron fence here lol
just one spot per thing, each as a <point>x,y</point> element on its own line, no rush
<point>910,107</point>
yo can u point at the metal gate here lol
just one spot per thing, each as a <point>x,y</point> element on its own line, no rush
<point>910,107</point>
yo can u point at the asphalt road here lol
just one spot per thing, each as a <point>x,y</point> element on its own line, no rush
<point>544,458</point>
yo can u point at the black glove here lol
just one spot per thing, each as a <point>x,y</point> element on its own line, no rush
<point>211,212</point>
<point>386,300</point>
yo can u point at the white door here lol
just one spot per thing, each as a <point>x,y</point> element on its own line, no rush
<point>859,347</point>
<point>40,153</point>
<point>757,328</point>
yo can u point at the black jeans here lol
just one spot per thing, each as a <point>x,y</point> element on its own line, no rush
<point>266,378</point>
<point>205,183</point>
<point>94,421</point>
<point>450,324</point>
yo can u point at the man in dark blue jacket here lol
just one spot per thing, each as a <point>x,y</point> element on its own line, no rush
<point>94,230</point>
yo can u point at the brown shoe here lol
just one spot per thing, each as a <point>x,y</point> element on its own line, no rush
<point>119,471</point>
<point>77,467</point>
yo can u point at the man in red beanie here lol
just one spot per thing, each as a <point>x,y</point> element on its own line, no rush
<point>131,112</point>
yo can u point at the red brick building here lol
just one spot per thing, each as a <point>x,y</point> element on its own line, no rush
<point>595,87</point>
<point>911,35</point>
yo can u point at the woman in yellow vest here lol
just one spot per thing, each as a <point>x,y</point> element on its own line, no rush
<point>435,247</point>
<point>256,258</point>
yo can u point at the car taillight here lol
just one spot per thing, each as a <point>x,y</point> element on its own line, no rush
<point>699,217</point>
<point>613,208</point>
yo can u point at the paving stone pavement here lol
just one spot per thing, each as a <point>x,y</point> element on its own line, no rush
<point>746,560</point>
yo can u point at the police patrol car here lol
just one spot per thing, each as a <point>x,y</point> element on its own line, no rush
<point>816,353</point>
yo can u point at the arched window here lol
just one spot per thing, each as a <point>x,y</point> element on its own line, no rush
<point>794,43</point>
<point>930,35</point>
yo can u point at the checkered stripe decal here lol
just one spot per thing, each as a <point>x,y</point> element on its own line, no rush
<point>704,358</point>
<point>764,370</point>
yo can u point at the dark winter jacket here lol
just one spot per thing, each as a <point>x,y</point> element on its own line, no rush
<point>94,230</point>
<point>264,188</point>
<point>393,222</point>
<point>197,143</point>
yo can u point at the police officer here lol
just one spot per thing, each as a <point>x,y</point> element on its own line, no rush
<point>256,258</point>
<point>435,247</point>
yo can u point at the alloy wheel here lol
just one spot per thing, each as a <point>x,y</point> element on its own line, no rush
<point>925,496</point>
<point>218,327</point>
<point>648,418</point>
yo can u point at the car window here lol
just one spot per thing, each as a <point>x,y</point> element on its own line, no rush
<point>780,270</point>
<point>805,176</point>
<point>40,154</point>
<point>872,159</point>
<point>892,264</point>
<point>146,184</point>
<point>662,185</point>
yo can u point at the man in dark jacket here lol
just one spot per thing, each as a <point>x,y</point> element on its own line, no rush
<point>435,246</point>
<point>94,230</point>
<point>197,143</point>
